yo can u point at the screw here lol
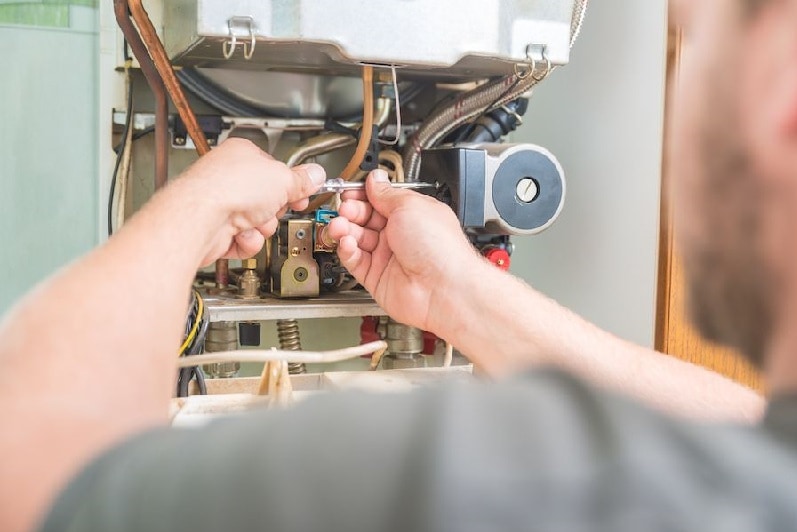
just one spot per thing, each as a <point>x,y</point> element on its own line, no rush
<point>180,141</point>
<point>527,190</point>
<point>300,274</point>
<point>300,234</point>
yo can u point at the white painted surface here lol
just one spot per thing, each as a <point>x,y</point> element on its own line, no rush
<point>48,169</point>
<point>602,116</point>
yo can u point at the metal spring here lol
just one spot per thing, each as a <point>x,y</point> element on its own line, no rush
<point>290,340</point>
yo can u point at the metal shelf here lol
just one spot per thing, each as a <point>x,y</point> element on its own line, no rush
<point>343,305</point>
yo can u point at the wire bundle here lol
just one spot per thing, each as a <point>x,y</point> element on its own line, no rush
<point>196,328</point>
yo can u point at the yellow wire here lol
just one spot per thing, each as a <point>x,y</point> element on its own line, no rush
<point>192,333</point>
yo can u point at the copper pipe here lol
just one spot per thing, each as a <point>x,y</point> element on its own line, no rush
<point>155,48</point>
<point>222,275</point>
<point>364,142</point>
<point>156,86</point>
<point>164,67</point>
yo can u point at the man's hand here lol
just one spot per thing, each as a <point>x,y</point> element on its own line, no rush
<point>406,249</point>
<point>247,192</point>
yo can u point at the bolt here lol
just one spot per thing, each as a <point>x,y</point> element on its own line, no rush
<point>300,274</point>
<point>300,234</point>
<point>527,190</point>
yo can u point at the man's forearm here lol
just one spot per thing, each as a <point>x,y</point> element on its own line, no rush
<point>96,344</point>
<point>504,326</point>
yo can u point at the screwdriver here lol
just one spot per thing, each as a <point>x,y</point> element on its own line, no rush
<point>340,185</point>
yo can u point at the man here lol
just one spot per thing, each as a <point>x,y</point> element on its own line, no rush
<point>88,356</point>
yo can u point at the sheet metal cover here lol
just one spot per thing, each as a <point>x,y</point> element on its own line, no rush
<point>462,37</point>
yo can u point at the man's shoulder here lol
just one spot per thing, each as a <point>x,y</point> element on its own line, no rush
<point>544,450</point>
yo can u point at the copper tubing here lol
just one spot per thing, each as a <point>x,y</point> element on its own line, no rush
<point>222,274</point>
<point>156,86</point>
<point>367,128</point>
<point>164,67</point>
<point>350,171</point>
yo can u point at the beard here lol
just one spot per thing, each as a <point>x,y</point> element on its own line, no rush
<point>730,285</point>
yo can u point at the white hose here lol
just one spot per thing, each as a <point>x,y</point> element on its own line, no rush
<point>269,355</point>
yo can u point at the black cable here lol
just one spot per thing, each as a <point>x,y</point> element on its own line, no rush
<point>120,152</point>
<point>196,347</point>
<point>229,104</point>
<point>496,124</point>
<point>199,375</point>
<point>217,97</point>
<point>143,133</point>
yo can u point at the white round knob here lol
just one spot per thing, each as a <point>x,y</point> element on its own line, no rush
<point>527,190</point>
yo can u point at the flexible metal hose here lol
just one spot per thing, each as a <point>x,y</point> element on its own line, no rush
<point>291,340</point>
<point>478,101</point>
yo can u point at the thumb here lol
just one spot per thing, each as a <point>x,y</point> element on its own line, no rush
<point>305,180</point>
<point>382,196</point>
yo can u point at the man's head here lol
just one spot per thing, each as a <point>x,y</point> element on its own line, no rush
<point>733,164</point>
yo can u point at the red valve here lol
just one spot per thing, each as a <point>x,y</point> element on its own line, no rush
<point>499,257</point>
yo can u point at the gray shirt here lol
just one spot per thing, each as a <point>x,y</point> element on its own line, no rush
<point>543,453</point>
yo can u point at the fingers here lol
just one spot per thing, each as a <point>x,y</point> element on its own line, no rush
<point>362,213</point>
<point>367,239</point>
<point>304,180</point>
<point>384,198</point>
<point>356,211</point>
<point>268,228</point>
<point>300,205</point>
<point>354,195</point>
<point>246,244</point>
<point>354,259</point>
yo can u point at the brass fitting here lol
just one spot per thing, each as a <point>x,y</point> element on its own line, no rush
<point>249,283</point>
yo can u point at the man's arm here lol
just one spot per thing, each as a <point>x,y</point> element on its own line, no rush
<point>89,357</point>
<point>435,281</point>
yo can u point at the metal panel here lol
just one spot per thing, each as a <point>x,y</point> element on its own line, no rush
<point>459,38</point>
<point>339,306</point>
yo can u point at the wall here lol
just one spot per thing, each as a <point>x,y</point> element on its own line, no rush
<point>602,117</point>
<point>48,142</point>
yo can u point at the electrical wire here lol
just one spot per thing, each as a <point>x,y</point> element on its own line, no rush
<point>367,128</point>
<point>122,178</point>
<point>196,329</point>
<point>397,110</point>
<point>189,339</point>
<point>217,98</point>
<point>264,355</point>
<point>120,149</point>
<point>449,355</point>
<point>366,131</point>
<point>394,159</point>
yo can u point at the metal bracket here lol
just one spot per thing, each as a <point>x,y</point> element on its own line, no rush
<point>535,53</point>
<point>247,24</point>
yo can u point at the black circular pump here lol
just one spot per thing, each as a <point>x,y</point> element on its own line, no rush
<point>528,189</point>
